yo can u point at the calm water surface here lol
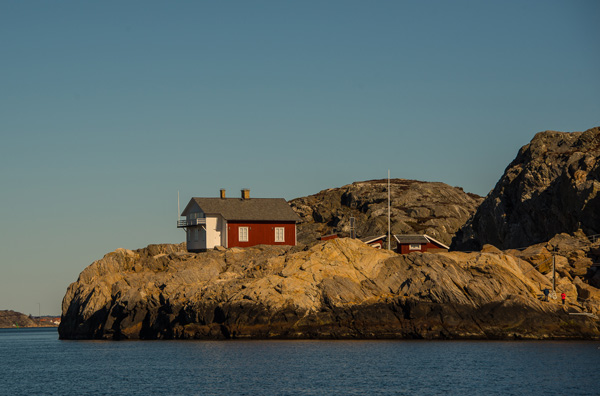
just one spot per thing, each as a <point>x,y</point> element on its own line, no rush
<point>35,362</point>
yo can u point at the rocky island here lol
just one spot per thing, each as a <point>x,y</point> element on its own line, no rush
<point>11,319</point>
<point>343,288</point>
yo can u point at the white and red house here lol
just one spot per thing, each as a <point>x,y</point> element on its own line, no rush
<point>238,222</point>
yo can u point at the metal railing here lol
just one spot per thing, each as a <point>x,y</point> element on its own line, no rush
<point>593,238</point>
<point>191,222</point>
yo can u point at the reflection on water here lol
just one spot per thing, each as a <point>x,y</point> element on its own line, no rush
<point>34,361</point>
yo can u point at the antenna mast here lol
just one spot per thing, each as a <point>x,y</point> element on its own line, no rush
<point>389,228</point>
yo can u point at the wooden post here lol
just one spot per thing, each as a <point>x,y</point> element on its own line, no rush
<point>554,273</point>
<point>389,241</point>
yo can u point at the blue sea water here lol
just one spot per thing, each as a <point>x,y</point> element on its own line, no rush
<point>36,362</point>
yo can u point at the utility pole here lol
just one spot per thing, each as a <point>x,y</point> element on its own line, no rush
<point>553,273</point>
<point>389,241</point>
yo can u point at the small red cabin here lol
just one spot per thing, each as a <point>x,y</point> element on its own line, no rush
<point>375,241</point>
<point>418,243</point>
<point>328,237</point>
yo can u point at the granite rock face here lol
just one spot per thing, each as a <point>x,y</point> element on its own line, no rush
<point>551,187</point>
<point>436,209</point>
<point>336,289</point>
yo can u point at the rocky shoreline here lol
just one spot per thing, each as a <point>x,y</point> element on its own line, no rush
<point>340,289</point>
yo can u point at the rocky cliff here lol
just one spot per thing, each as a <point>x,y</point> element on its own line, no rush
<point>337,289</point>
<point>551,187</point>
<point>436,209</point>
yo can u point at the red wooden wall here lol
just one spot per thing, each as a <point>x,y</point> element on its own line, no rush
<point>328,237</point>
<point>377,242</point>
<point>260,233</point>
<point>405,248</point>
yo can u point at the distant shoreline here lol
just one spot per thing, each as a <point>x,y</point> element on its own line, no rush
<point>12,320</point>
<point>29,327</point>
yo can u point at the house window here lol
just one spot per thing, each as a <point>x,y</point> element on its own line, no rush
<point>195,215</point>
<point>279,234</point>
<point>414,246</point>
<point>243,234</point>
<point>196,236</point>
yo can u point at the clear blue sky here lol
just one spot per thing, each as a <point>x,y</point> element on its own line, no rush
<point>108,108</point>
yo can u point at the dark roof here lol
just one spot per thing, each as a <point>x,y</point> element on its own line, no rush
<point>411,239</point>
<point>403,239</point>
<point>253,209</point>
<point>370,239</point>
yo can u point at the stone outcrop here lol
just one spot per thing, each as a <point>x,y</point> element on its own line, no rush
<point>336,289</point>
<point>551,187</point>
<point>435,209</point>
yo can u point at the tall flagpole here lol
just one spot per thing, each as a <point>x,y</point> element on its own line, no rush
<point>178,211</point>
<point>389,228</point>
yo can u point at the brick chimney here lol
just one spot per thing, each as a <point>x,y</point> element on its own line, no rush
<point>246,193</point>
<point>222,193</point>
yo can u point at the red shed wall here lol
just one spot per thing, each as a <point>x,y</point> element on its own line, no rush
<point>405,248</point>
<point>377,244</point>
<point>260,233</point>
<point>328,237</point>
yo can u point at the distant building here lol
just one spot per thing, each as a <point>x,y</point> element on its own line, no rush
<point>375,241</point>
<point>418,243</point>
<point>328,237</point>
<point>238,222</point>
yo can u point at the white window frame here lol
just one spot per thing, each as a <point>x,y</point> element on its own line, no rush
<point>414,246</point>
<point>243,234</point>
<point>279,234</point>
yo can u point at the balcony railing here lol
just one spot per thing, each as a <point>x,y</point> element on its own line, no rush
<point>191,222</point>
